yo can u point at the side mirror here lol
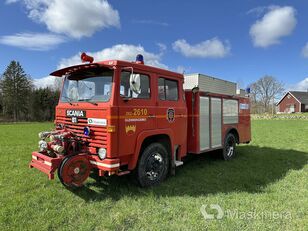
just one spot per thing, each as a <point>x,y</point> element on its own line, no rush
<point>134,82</point>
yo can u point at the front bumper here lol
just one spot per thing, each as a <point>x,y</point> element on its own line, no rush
<point>49,165</point>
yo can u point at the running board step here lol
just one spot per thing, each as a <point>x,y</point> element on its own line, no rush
<point>178,163</point>
<point>123,173</point>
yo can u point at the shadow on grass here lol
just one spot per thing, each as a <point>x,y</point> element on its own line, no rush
<point>251,171</point>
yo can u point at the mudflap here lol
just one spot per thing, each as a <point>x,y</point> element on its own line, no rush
<point>45,164</point>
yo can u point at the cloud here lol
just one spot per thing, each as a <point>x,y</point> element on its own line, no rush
<point>212,48</point>
<point>182,69</point>
<point>258,11</point>
<point>74,18</point>
<point>47,81</point>
<point>300,86</point>
<point>33,41</point>
<point>121,52</point>
<point>151,22</point>
<point>278,22</point>
<point>162,48</point>
<point>305,50</point>
<point>11,1</point>
<point>51,82</point>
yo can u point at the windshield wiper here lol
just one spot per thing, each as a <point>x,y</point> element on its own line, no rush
<point>69,100</point>
<point>88,101</point>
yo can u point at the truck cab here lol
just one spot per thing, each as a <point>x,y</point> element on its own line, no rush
<point>118,112</point>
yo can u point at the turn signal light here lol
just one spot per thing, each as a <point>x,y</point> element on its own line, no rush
<point>111,129</point>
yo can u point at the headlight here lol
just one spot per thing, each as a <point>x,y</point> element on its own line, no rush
<point>102,153</point>
<point>43,145</point>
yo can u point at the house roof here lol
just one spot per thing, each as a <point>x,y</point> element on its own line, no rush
<point>300,96</point>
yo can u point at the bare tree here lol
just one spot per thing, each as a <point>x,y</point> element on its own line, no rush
<point>266,90</point>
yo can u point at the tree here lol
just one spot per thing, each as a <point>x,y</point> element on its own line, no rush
<point>15,87</point>
<point>43,103</point>
<point>266,90</point>
<point>1,101</point>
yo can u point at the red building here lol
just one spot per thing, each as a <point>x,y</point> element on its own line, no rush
<point>293,101</point>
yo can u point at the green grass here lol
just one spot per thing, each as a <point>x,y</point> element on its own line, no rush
<point>270,175</point>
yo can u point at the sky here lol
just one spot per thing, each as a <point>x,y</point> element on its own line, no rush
<point>237,40</point>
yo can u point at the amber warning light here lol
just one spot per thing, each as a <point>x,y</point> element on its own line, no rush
<point>86,58</point>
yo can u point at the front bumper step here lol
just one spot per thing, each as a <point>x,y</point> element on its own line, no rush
<point>49,165</point>
<point>45,164</point>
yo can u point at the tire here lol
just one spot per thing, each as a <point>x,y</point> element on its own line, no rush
<point>153,165</point>
<point>228,151</point>
<point>73,171</point>
<point>60,169</point>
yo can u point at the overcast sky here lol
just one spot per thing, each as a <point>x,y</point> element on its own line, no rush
<point>237,40</point>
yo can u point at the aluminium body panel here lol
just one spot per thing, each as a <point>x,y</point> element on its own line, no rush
<point>209,84</point>
<point>204,123</point>
<point>216,119</point>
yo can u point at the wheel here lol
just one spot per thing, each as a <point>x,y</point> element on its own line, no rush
<point>153,165</point>
<point>74,170</point>
<point>228,151</point>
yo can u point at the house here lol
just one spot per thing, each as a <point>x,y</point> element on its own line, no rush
<point>293,101</point>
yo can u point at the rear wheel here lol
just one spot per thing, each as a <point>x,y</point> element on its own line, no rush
<point>74,170</point>
<point>228,151</point>
<point>153,165</point>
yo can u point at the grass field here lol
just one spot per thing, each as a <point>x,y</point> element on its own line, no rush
<point>265,188</point>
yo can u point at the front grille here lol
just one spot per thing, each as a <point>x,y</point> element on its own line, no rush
<point>98,136</point>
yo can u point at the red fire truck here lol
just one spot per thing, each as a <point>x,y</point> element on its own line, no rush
<point>120,117</point>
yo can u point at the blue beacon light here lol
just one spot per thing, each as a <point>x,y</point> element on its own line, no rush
<point>139,59</point>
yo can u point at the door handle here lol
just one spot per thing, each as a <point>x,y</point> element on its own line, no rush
<point>151,116</point>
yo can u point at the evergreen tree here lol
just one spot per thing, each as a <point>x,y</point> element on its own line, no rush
<point>43,103</point>
<point>15,87</point>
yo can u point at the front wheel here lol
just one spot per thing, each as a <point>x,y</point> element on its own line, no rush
<point>153,165</point>
<point>228,151</point>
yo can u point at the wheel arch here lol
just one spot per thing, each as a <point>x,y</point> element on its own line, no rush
<point>234,132</point>
<point>164,136</point>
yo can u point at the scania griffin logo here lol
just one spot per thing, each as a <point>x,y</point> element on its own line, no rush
<point>75,113</point>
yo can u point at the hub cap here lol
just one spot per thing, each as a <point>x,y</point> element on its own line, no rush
<point>230,147</point>
<point>154,166</point>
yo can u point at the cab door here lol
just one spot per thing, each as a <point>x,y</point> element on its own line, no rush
<point>171,109</point>
<point>136,110</point>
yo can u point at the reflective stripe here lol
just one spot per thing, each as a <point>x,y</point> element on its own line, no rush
<point>105,165</point>
<point>47,163</point>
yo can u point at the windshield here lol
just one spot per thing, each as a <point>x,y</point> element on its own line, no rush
<point>88,87</point>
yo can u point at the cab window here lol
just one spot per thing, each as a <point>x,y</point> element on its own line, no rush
<point>125,90</point>
<point>168,89</point>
